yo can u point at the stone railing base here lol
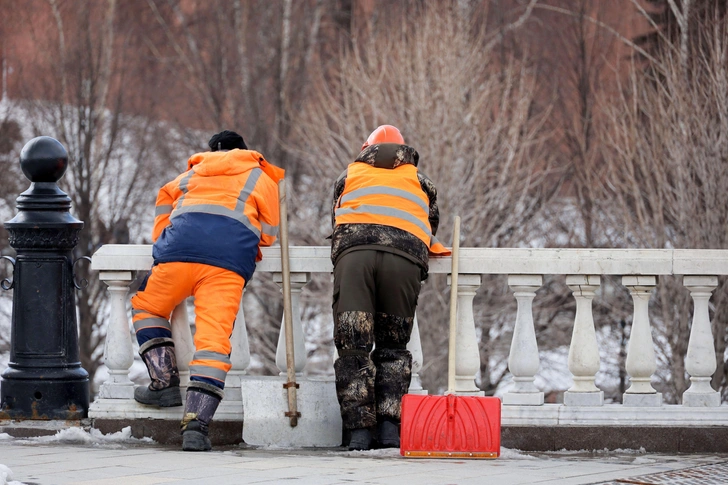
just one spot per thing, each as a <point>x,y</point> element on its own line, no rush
<point>128,409</point>
<point>595,439</point>
<point>265,402</point>
<point>167,432</point>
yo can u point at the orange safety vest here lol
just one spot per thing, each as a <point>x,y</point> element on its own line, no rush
<point>389,197</point>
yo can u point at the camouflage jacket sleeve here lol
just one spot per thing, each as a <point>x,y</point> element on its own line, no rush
<point>429,188</point>
<point>338,190</point>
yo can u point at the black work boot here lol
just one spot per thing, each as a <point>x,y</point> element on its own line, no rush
<point>158,356</point>
<point>388,434</point>
<point>361,439</point>
<point>202,401</point>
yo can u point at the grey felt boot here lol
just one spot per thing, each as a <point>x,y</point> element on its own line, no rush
<point>202,402</point>
<point>158,355</point>
<point>361,439</point>
<point>388,434</point>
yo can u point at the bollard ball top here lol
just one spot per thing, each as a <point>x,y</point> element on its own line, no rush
<point>44,159</point>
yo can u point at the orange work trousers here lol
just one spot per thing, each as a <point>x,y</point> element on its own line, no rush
<point>217,293</point>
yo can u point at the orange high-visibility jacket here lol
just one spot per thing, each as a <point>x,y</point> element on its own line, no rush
<point>388,197</point>
<point>219,211</point>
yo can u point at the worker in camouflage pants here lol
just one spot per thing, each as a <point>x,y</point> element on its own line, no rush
<point>384,216</point>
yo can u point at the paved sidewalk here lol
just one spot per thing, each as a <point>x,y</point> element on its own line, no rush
<point>80,459</point>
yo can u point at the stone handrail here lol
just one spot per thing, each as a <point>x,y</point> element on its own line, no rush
<point>524,403</point>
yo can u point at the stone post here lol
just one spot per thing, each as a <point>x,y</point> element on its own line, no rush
<point>700,361</point>
<point>240,357</point>
<point>184,346</point>
<point>118,351</point>
<point>641,362</point>
<point>44,378</point>
<point>584,351</point>
<point>298,281</point>
<point>523,361</point>
<point>467,360</point>
<point>415,348</point>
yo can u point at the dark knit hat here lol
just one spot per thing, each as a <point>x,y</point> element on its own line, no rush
<point>226,140</point>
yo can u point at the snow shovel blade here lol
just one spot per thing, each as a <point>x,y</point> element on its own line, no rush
<point>450,426</point>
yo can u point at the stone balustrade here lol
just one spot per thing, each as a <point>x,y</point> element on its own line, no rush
<point>525,268</point>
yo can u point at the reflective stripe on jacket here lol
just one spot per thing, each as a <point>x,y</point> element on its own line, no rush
<point>218,212</point>
<point>388,197</point>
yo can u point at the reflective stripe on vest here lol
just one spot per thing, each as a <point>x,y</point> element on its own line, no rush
<point>238,213</point>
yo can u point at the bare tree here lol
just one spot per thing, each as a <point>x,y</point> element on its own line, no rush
<point>116,159</point>
<point>473,123</point>
<point>251,87</point>
<point>667,143</point>
<point>11,185</point>
<point>576,71</point>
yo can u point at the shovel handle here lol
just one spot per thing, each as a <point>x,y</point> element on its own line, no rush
<point>453,307</point>
<point>291,385</point>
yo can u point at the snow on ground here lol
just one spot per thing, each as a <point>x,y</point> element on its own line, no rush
<point>76,435</point>
<point>509,454</point>
<point>605,451</point>
<point>6,476</point>
<point>94,436</point>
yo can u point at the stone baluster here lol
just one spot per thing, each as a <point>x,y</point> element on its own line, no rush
<point>467,360</point>
<point>584,351</point>
<point>700,361</point>
<point>240,357</point>
<point>415,348</point>
<point>184,346</point>
<point>118,351</point>
<point>298,281</point>
<point>523,361</point>
<point>641,362</point>
<point>241,348</point>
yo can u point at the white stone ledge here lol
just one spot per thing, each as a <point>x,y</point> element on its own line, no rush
<point>116,257</point>
<point>700,261</point>
<point>130,409</point>
<point>523,261</point>
<point>613,415</point>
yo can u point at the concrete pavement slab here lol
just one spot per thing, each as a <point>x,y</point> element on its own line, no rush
<point>131,461</point>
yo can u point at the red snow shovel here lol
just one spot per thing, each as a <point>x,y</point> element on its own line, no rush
<point>451,426</point>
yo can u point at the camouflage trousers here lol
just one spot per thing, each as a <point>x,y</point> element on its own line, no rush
<point>375,296</point>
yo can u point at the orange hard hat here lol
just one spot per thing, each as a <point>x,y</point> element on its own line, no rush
<point>384,134</point>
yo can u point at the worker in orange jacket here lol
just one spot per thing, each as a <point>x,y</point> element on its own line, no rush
<point>209,224</point>
<point>385,216</point>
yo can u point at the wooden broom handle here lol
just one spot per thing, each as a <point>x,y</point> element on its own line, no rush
<point>291,385</point>
<point>453,307</point>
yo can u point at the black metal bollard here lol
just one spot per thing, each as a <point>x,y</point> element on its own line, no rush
<point>44,378</point>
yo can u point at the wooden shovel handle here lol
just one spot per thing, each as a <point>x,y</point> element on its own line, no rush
<point>291,385</point>
<point>453,307</point>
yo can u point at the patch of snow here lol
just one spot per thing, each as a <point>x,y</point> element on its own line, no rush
<point>603,451</point>
<point>509,454</point>
<point>629,451</point>
<point>6,476</point>
<point>5,436</point>
<point>275,448</point>
<point>383,453</point>
<point>79,435</point>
